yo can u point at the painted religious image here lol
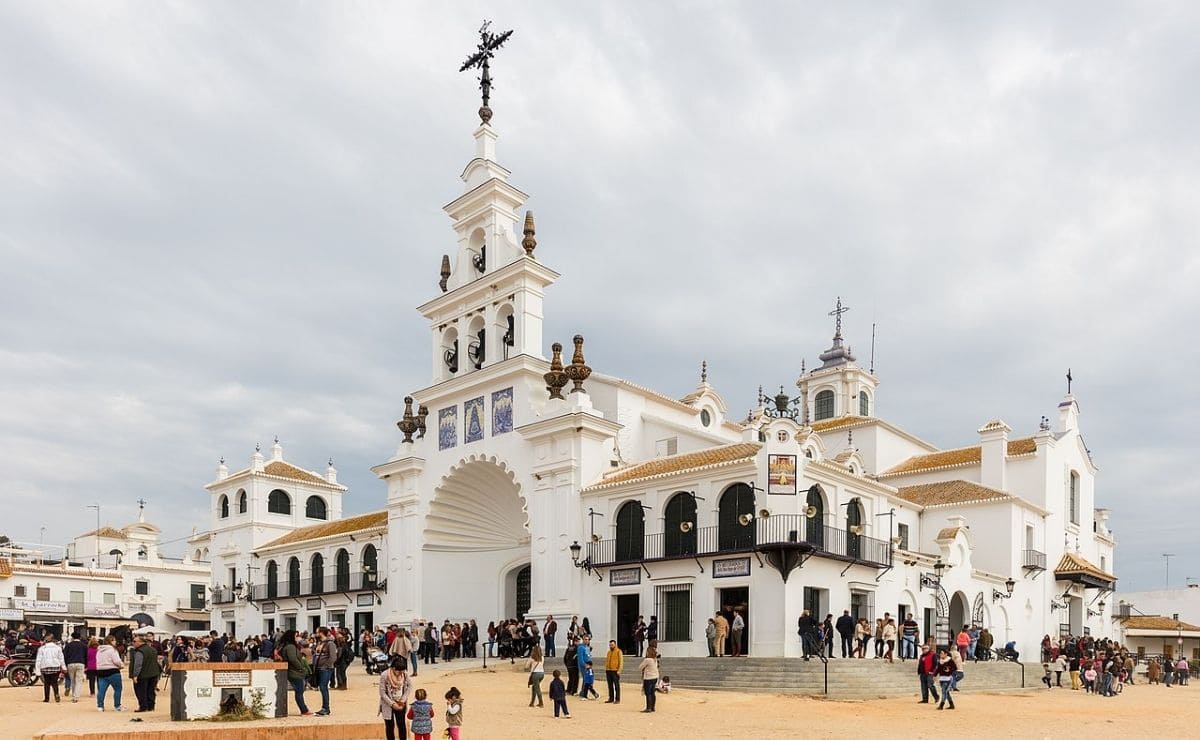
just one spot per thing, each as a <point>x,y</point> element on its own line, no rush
<point>447,428</point>
<point>782,472</point>
<point>502,411</point>
<point>473,420</point>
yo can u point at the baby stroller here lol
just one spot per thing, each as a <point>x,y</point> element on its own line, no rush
<point>377,660</point>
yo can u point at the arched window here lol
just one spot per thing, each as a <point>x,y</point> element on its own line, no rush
<point>342,563</point>
<point>370,567</point>
<point>316,574</point>
<point>823,408</point>
<point>223,506</point>
<point>314,508</point>
<point>680,515</point>
<point>272,579</point>
<point>864,404</point>
<point>854,528</point>
<point>279,502</point>
<point>242,504</point>
<point>294,577</point>
<point>1073,502</point>
<point>814,528</point>
<point>631,530</point>
<point>735,518</point>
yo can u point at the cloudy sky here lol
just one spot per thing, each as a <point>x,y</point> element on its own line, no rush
<point>216,219</point>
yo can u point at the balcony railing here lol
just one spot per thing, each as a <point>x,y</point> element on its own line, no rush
<point>830,542</point>
<point>330,583</point>
<point>1033,560</point>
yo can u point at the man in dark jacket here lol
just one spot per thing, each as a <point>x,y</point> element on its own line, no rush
<point>570,656</point>
<point>807,628</point>
<point>75,656</point>
<point>845,628</point>
<point>216,648</point>
<point>144,670</point>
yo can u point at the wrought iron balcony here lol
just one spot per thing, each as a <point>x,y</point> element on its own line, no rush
<point>1033,560</point>
<point>830,542</point>
<point>330,583</point>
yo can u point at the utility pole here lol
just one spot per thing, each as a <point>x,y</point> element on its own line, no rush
<point>1167,559</point>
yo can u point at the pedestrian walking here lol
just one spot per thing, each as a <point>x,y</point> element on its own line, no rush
<point>49,664</point>
<point>325,659</point>
<point>144,670</point>
<point>297,668</point>
<point>613,663</point>
<point>108,673</point>
<point>454,712</point>
<point>558,695</point>
<point>946,668</point>
<point>75,654</point>
<point>926,673</point>
<point>537,671</point>
<point>649,671</point>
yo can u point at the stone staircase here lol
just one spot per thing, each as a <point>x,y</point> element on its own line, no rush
<point>848,679</point>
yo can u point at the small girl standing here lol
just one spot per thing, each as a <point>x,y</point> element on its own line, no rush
<point>421,714</point>
<point>454,712</point>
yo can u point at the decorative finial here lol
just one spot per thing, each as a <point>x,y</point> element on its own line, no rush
<point>488,44</point>
<point>276,439</point>
<point>704,371</point>
<point>408,423</point>
<point>529,243</point>
<point>837,334</point>
<point>850,438</point>
<point>445,272</point>
<point>803,370</point>
<point>760,395</point>
<point>221,461</point>
<point>331,462</point>
<point>258,446</point>
<point>578,371</point>
<point>422,412</point>
<point>1069,379</point>
<point>556,379</point>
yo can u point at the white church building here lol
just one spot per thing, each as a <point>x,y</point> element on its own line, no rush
<point>526,486</point>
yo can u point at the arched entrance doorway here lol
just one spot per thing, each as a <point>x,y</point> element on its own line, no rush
<point>960,614</point>
<point>476,545</point>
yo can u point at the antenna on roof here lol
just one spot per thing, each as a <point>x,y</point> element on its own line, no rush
<point>872,370</point>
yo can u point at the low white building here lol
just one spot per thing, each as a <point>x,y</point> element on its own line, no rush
<point>103,579</point>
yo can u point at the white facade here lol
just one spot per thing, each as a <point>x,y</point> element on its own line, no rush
<point>614,501</point>
<point>484,510</point>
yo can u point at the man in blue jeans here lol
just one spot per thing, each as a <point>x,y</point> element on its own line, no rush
<point>326,658</point>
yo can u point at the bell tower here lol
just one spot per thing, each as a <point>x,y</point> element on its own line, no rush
<point>493,287</point>
<point>839,387</point>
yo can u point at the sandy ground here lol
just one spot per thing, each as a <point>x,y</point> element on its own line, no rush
<point>496,709</point>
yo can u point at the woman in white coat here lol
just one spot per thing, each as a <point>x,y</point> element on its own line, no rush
<point>49,664</point>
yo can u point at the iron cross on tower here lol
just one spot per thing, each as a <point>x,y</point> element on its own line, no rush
<point>488,43</point>
<point>838,313</point>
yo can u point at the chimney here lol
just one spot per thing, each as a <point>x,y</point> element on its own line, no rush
<point>993,449</point>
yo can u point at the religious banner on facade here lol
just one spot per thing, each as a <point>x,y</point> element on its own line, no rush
<point>781,471</point>
<point>731,568</point>
<point>473,420</point>
<point>447,428</point>
<point>625,577</point>
<point>502,411</point>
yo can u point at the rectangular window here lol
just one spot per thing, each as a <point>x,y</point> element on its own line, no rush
<point>197,600</point>
<point>18,590</point>
<point>664,447</point>
<point>43,593</point>
<point>110,599</point>
<point>76,602</point>
<point>1103,563</point>
<point>862,605</point>
<point>141,588</point>
<point>902,533</point>
<point>1029,538</point>
<point>674,606</point>
<point>1074,497</point>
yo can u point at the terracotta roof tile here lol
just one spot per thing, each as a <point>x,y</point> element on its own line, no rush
<point>825,425</point>
<point>287,470</point>
<point>686,462</point>
<point>1075,564</point>
<point>950,492</point>
<point>1157,623</point>
<point>329,529</point>
<point>960,456</point>
<point>948,533</point>
<point>109,532</point>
